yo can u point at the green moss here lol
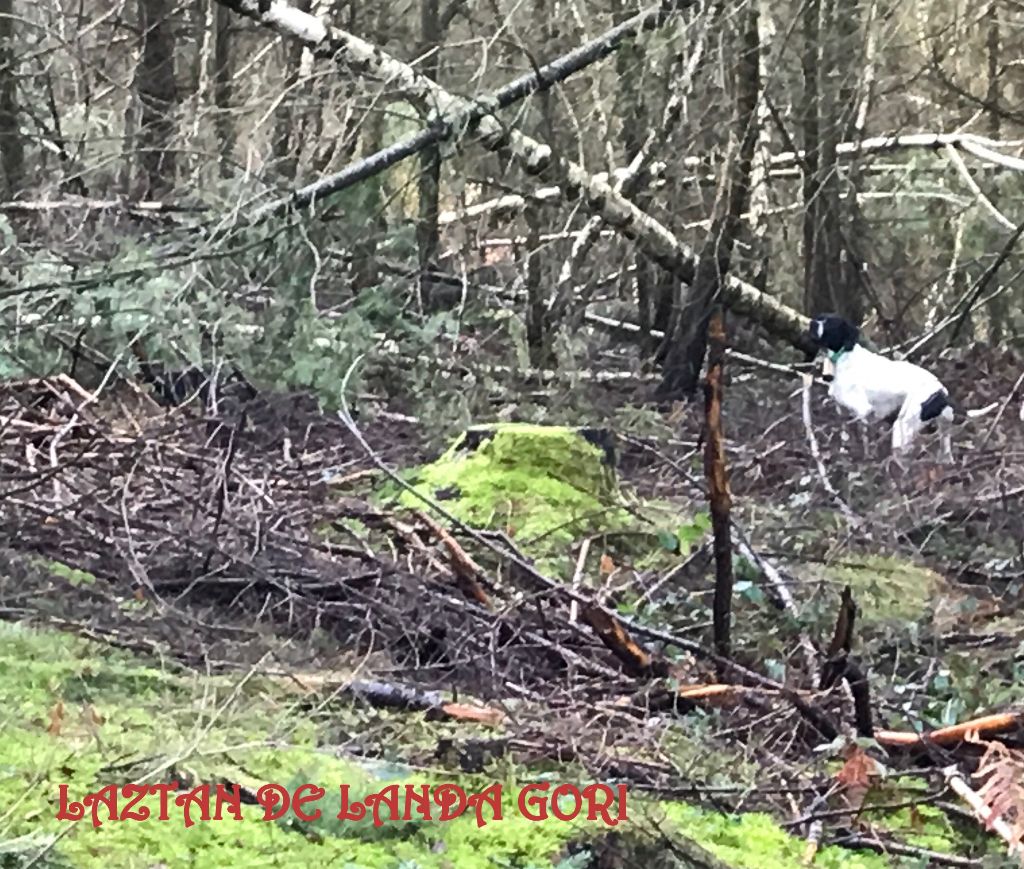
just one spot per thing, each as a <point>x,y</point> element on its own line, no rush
<point>157,725</point>
<point>162,724</point>
<point>924,825</point>
<point>544,485</point>
<point>753,841</point>
<point>887,588</point>
<point>71,574</point>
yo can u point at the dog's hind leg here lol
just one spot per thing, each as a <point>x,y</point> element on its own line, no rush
<point>945,422</point>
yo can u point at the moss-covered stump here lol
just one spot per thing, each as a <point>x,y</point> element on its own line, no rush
<point>543,485</point>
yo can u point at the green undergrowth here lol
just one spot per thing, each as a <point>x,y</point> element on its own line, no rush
<point>890,588</point>
<point>84,715</point>
<point>924,825</point>
<point>754,841</point>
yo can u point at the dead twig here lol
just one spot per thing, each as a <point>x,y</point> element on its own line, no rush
<point>812,442</point>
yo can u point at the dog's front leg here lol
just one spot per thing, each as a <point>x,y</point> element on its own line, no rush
<point>947,449</point>
<point>858,404</point>
<point>904,432</point>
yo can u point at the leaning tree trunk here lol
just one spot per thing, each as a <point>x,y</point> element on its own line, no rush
<point>685,358</point>
<point>157,89</point>
<point>533,157</point>
<point>12,148</point>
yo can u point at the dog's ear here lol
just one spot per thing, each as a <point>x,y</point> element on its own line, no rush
<point>847,333</point>
<point>833,332</point>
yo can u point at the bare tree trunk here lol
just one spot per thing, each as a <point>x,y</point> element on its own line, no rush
<point>632,109</point>
<point>222,88</point>
<point>685,357</point>
<point>831,279</point>
<point>428,239</point>
<point>665,287</point>
<point>313,95</point>
<point>536,333</point>
<point>365,267</point>
<point>285,144</point>
<point>12,149</point>
<point>157,88</point>
<point>810,64</point>
<point>998,308</point>
<point>759,170</point>
<point>847,225</point>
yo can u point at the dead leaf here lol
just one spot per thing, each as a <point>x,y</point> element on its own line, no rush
<point>465,712</point>
<point>92,716</point>
<point>56,718</point>
<point>858,775</point>
<point>1002,772</point>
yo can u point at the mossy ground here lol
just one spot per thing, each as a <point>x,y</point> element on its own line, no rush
<point>887,588</point>
<point>84,715</point>
<point>81,714</point>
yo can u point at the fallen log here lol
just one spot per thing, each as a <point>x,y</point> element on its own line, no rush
<point>457,116</point>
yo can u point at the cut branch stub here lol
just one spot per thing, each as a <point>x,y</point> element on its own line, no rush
<point>718,485</point>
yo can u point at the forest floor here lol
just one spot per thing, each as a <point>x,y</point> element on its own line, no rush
<point>246,600</point>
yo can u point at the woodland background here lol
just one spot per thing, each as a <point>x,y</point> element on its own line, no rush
<point>224,221</point>
<point>122,123</point>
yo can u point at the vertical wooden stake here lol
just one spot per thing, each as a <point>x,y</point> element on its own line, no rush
<point>718,484</point>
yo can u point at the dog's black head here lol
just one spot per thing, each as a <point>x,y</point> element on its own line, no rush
<point>833,333</point>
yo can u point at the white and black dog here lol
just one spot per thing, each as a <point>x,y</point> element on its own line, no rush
<point>874,388</point>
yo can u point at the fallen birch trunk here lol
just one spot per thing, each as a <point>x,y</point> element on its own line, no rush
<point>457,115</point>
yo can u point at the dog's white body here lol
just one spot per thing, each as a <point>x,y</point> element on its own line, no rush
<point>873,387</point>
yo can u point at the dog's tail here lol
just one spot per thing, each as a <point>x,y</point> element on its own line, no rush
<point>961,414</point>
